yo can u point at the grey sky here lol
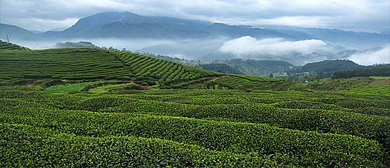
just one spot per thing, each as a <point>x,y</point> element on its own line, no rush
<point>356,15</point>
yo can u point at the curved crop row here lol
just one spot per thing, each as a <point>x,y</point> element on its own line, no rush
<point>302,148</point>
<point>37,147</point>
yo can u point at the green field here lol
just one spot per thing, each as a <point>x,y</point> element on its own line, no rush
<point>99,108</point>
<point>381,77</point>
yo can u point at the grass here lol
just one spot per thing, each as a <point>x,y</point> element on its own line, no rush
<point>110,88</point>
<point>380,77</point>
<point>382,90</point>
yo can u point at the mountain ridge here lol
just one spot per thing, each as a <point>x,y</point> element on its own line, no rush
<point>131,25</point>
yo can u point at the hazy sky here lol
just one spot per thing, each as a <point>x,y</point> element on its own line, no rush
<point>356,15</point>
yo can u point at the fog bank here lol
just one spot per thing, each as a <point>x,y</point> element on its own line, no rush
<point>372,57</point>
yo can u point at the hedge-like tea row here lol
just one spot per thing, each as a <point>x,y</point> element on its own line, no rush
<point>25,146</point>
<point>374,127</point>
<point>367,126</point>
<point>43,109</point>
<point>302,148</point>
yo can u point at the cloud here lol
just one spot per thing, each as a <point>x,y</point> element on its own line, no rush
<point>272,46</point>
<point>374,57</point>
<point>364,15</point>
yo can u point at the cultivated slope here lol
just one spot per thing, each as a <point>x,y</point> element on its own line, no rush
<point>9,46</point>
<point>96,64</point>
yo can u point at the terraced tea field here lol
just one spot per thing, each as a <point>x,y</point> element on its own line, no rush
<point>194,128</point>
<point>98,108</point>
<point>89,65</point>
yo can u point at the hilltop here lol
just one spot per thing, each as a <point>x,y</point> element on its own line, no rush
<point>328,66</point>
<point>9,46</point>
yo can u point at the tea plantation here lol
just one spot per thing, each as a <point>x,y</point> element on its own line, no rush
<point>99,108</point>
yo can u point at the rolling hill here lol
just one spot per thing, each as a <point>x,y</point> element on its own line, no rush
<point>257,67</point>
<point>96,64</point>
<point>328,66</point>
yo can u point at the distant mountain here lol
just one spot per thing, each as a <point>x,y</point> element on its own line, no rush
<point>257,67</point>
<point>378,70</point>
<point>200,40</point>
<point>130,25</point>
<point>328,66</point>
<point>16,33</point>
<point>220,68</point>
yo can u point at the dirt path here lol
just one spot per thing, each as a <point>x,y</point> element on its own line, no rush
<point>380,82</point>
<point>219,77</point>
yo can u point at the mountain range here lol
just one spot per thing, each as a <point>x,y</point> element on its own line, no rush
<point>131,25</point>
<point>200,40</point>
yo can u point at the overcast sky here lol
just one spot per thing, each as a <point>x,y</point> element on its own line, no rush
<point>356,15</point>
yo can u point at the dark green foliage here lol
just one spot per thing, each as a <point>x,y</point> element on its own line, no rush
<point>81,44</point>
<point>328,66</point>
<point>376,71</point>
<point>257,67</point>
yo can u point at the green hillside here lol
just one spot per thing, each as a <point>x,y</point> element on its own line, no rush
<point>75,65</point>
<point>9,46</point>
<point>102,108</point>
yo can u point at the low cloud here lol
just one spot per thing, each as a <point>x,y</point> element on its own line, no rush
<point>374,57</point>
<point>272,46</point>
